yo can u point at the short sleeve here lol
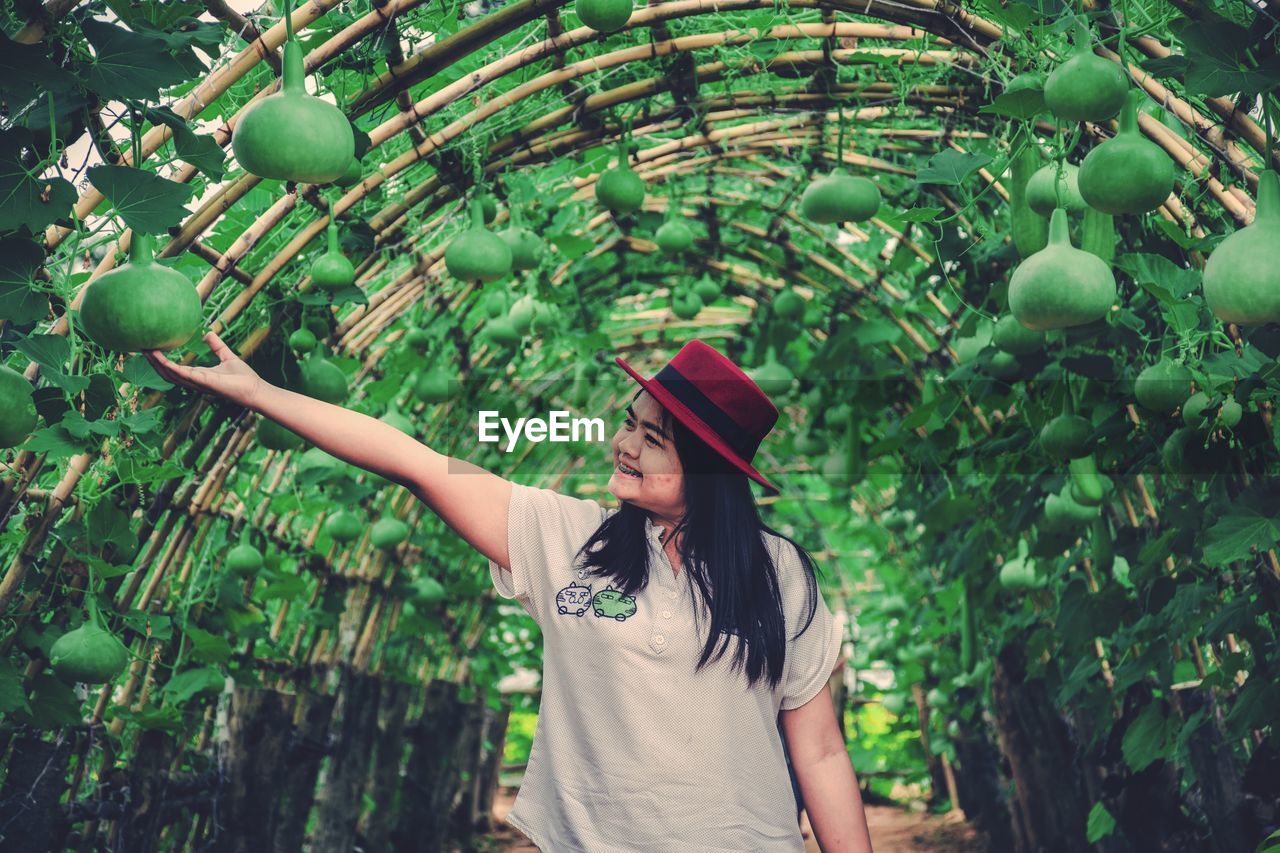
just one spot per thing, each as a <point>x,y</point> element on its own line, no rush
<point>545,529</point>
<point>812,656</point>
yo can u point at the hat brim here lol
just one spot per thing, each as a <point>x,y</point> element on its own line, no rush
<point>681,412</point>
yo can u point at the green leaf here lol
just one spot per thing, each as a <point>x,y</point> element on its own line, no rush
<point>1100,823</point>
<point>26,71</point>
<point>107,523</point>
<point>286,586</point>
<point>168,719</point>
<point>1024,103</point>
<point>49,351</point>
<point>1146,738</point>
<point>127,64</point>
<point>12,696</point>
<point>139,373</point>
<point>160,626</point>
<point>53,703</point>
<point>571,246</point>
<point>143,421</point>
<point>918,214</point>
<point>186,684</point>
<point>145,201</point>
<point>1242,527</point>
<point>138,466</point>
<point>56,442</point>
<point>21,301</point>
<point>199,150</point>
<point>25,198</point>
<point>951,167</point>
<point>206,647</point>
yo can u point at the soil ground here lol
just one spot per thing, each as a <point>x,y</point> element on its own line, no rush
<point>893,830</point>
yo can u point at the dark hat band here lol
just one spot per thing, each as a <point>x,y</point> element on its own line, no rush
<point>684,390</point>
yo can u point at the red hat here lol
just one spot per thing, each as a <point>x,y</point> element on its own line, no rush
<point>711,395</point>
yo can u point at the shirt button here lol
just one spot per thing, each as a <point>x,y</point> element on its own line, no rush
<point>666,613</point>
<point>659,639</point>
<point>582,573</point>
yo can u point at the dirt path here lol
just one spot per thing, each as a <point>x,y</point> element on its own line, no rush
<point>892,831</point>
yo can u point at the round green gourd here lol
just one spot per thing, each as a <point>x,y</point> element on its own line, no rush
<point>789,305</point>
<point>343,526</point>
<point>1063,512</point>
<point>1086,87</point>
<point>418,340</point>
<point>620,189</point>
<point>433,386</point>
<point>90,653</point>
<point>1041,195</point>
<point>523,312</point>
<point>1013,337</point>
<point>1060,285</point>
<point>1066,436</point>
<point>1087,483</point>
<point>273,436</point>
<point>673,237</point>
<point>1163,387</point>
<point>243,559</point>
<point>323,380</point>
<point>501,332</point>
<point>840,198</point>
<point>478,253</point>
<point>302,341</point>
<point>773,377</point>
<point>1242,275</point>
<point>1198,415</point>
<point>604,16</point>
<point>1004,365</point>
<point>1025,80</point>
<point>292,136</point>
<point>18,414</point>
<point>353,175</point>
<point>332,271</point>
<point>387,533</point>
<point>526,248</point>
<point>1128,173</point>
<point>141,305</point>
<point>685,303</point>
<point>428,591</point>
<point>707,289</point>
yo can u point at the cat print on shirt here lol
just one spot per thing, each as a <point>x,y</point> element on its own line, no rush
<point>576,599</point>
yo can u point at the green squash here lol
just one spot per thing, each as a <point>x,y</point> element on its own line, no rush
<point>323,379</point>
<point>1042,195</point>
<point>1016,339</point>
<point>343,526</point>
<point>1066,436</point>
<point>141,305</point>
<point>1030,230</point>
<point>353,175</point>
<point>603,16</point>
<point>302,341</point>
<point>501,332</point>
<point>1200,416</point>
<point>478,254</point>
<point>620,189</point>
<point>1242,275</point>
<point>89,653</point>
<point>526,248</point>
<point>773,377</point>
<point>1063,512</point>
<point>673,237</point>
<point>1163,387</point>
<point>685,302</point>
<point>1086,87</point>
<point>1087,483</point>
<point>840,197</point>
<point>18,414</point>
<point>417,339</point>
<point>1128,173</point>
<point>428,591</point>
<point>243,559</point>
<point>524,312</point>
<point>292,136</point>
<point>789,305</point>
<point>273,436</point>
<point>387,533</point>
<point>433,385</point>
<point>1004,365</point>
<point>332,271</point>
<point>707,289</point>
<point>495,303</point>
<point>1061,285</point>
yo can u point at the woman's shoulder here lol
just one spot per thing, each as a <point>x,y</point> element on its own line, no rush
<point>539,503</point>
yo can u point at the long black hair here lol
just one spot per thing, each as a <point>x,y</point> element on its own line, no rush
<point>733,573</point>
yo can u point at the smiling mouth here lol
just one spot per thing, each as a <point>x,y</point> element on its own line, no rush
<point>628,471</point>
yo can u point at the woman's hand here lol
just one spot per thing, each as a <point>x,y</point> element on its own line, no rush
<point>232,378</point>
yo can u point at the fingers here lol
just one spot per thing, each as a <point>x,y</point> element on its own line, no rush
<point>220,349</point>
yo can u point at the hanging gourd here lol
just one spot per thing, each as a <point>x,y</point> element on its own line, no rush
<point>1003,365</point>
<point>332,271</point>
<point>1163,387</point>
<point>673,235</point>
<point>302,340</point>
<point>387,533</point>
<point>1068,435</point>
<point>604,16</point>
<point>90,653</point>
<point>526,248</point>
<point>773,377</point>
<point>243,559</point>
<point>478,253</point>
<point>789,305</point>
<point>500,331</point>
<point>140,305</point>
<point>528,314</point>
<point>1012,337</point>
<point>1048,184</point>
<point>290,135</point>
<point>1242,276</point>
<point>1086,87</point>
<point>343,526</point>
<point>1030,230</point>
<point>620,189</point>
<point>433,386</point>
<point>685,302</point>
<point>1061,285</point>
<point>352,176</point>
<point>18,414</point>
<point>1098,235</point>
<point>845,465</point>
<point>323,379</point>
<point>273,436</point>
<point>417,339</point>
<point>840,197</point>
<point>495,303</point>
<point>707,289</point>
<point>1199,415</point>
<point>810,443</point>
<point>1088,484</point>
<point>1128,173</point>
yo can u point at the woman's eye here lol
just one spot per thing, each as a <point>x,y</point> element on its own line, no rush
<point>652,440</point>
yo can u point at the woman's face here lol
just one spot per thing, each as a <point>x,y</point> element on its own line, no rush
<point>641,444</point>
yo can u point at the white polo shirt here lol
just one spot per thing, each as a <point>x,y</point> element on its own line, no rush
<point>633,750</point>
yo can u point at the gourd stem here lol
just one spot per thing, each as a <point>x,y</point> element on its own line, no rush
<point>294,76</point>
<point>333,231</point>
<point>1129,113</point>
<point>1084,43</point>
<point>1058,233</point>
<point>1268,205</point>
<point>141,249</point>
<point>477,213</point>
<point>288,19</point>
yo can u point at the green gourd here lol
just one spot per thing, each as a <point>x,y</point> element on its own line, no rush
<point>1061,285</point>
<point>353,175</point>
<point>685,302</point>
<point>1014,338</point>
<point>501,332</point>
<point>417,339</point>
<point>1025,80</point>
<point>1004,365</point>
<point>846,465</point>
<point>141,305</point>
<point>323,379</point>
<point>1030,230</point>
<point>1242,275</point>
<point>673,237</point>
<point>478,253</point>
<point>1086,87</point>
<point>490,208</point>
<point>707,289</point>
<point>620,189</point>
<point>18,414</point>
<point>1087,483</point>
<point>1062,512</point>
<point>522,313</point>
<point>604,16</point>
<point>89,653</point>
<point>526,248</point>
<point>1128,173</point>
<point>1163,387</point>
<point>789,305</point>
<point>840,197</point>
<point>428,591</point>
<point>343,526</point>
<point>433,385</point>
<point>1047,183</point>
<point>273,436</point>
<point>1067,435</point>
<point>332,271</point>
<point>495,303</point>
<point>302,341</point>
<point>290,135</point>
<point>810,443</point>
<point>387,533</point>
<point>1198,414</point>
<point>773,377</point>
<point>243,559</point>
<point>1098,235</point>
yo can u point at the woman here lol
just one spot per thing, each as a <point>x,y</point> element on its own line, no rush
<point>644,742</point>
